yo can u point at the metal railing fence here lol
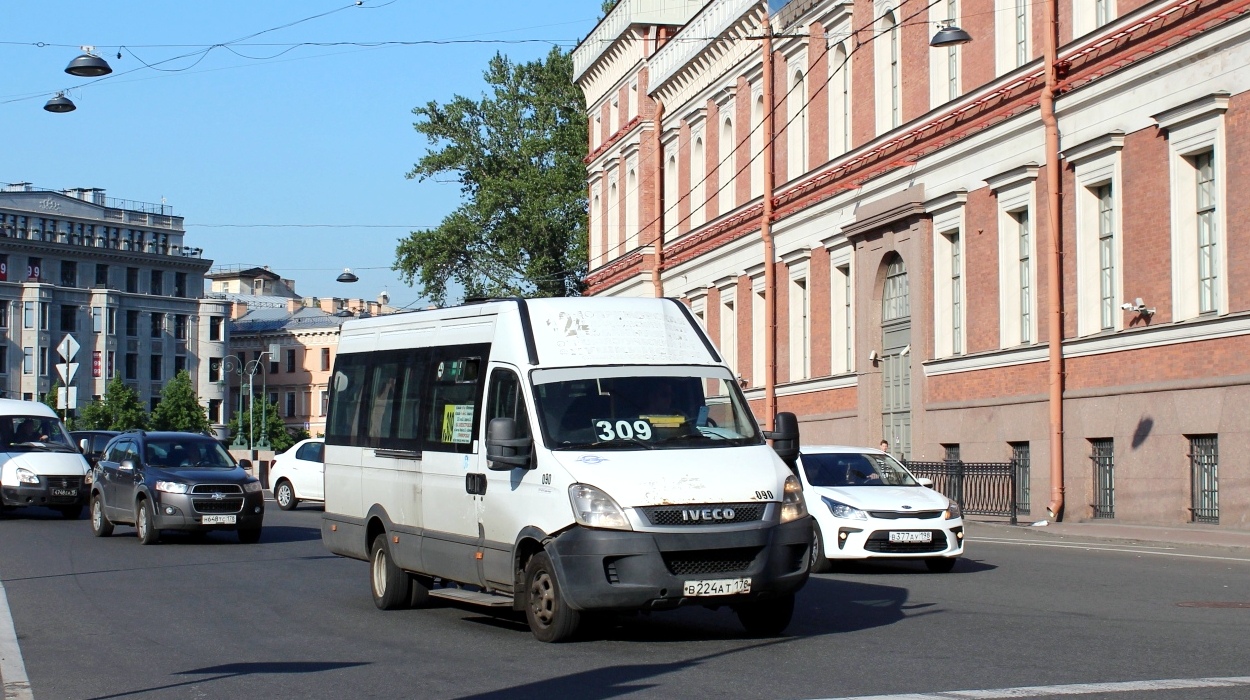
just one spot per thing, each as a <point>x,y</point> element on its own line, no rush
<point>980,488</point>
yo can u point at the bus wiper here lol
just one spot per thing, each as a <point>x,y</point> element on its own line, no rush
<point>618,442</point>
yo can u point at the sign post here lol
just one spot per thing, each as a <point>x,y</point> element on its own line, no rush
<point>67,396</point>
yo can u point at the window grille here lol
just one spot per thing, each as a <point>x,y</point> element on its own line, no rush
<point>1021,458</point>
<point>1204,464</point>
<point>1103,457</point>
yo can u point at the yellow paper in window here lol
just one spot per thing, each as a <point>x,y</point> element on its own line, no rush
<point>449,422</point>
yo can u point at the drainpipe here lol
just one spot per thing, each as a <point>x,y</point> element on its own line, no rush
<point>1054,276</point>
<point>766,234</point>
<point>657,244</point>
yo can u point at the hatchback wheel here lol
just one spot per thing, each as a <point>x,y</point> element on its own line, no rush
<point>819,562</point>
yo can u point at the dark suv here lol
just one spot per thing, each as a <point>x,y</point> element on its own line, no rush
<point>173,481</point>
<point>91,442</point>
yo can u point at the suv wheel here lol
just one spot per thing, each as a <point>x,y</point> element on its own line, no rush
<point>101,526</point>
<point>145,523</point>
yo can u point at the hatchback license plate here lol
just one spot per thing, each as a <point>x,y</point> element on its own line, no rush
<point>722,586</point>
<point>911,536</point>
<point>220,519</point>
<point>64,492</point>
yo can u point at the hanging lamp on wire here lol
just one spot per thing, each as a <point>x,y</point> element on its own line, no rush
<point>348,276</point>
<point>60,104</point>
<point>88,65</point>
<point>949,35</point>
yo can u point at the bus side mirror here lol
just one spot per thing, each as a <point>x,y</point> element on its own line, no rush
<point>504,450</point>
<point>785,437</point>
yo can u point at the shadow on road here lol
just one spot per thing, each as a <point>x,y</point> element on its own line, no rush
<point>237,670</point>
<point>894,567</point>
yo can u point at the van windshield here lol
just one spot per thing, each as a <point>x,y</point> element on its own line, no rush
<point>34,434</point>
<point>642,408</point>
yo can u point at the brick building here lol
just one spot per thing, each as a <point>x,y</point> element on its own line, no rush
<point>912,234</point>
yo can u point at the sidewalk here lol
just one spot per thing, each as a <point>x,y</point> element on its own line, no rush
<point>1181,534</point>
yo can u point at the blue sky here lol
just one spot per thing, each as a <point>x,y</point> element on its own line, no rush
<point>318,135</point>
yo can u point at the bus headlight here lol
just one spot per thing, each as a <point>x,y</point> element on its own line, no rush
<point>26,476</point>
<point>594,508</point>
<point>792,505</point>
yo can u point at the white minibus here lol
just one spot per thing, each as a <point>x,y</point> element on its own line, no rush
<point>559,456</point>
<point>39,464</point>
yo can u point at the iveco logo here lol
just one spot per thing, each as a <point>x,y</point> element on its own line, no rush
<point>219,496</point>
<point>692,515</point>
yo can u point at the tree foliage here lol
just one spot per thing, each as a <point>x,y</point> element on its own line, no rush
<point>180,407</point>
<point>120,409</point>
<point>50,398</point>
<point>265,421</point>
<point>517,154</point>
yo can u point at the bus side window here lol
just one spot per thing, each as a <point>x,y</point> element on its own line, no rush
<point>346,390</point>
<point>505,400</point>
<point>451,402</point>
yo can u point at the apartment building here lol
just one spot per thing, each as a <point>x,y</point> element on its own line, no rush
<point>116,276</point>
<point>909,244</point>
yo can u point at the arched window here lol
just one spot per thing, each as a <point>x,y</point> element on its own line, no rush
<point>796,127</point>
<point>614,228</point>
<point>670,196</point>
<point>889,78</point>
<point>631,211</point>
<point>757,147</point>
<point>596,243</point>
<point>839,101</point>
<point>728,166</point>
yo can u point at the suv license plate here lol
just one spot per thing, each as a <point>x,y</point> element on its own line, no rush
<point>220,519</point>
<point>722,586</point>
<point>911,536</point>
<point>64,492</point>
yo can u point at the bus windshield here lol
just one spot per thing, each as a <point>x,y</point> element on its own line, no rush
<point>34,434</point>
<point>642,408</point>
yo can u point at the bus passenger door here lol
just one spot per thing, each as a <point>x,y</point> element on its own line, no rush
<point>502,509</point>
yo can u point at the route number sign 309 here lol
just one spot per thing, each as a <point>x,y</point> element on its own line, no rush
<point>623,429</point>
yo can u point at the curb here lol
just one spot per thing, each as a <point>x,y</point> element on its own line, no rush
<point>1175,535</point>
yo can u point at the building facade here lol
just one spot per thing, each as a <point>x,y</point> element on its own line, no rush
<point>282,346</point>
<point>112,274</point>
<point>911,192</point>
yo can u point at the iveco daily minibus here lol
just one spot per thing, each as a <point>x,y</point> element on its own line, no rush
<point>559,456</point>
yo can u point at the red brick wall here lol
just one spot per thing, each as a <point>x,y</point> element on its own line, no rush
<point>863,114</point>
<point>781,85</point>
<point>818,275</point>
<point>818,94</point>
<point>742,309</point>
<point>744,102</point>
<point>817,402</point>
<point>1041,255</point>
<point>782,298</point>
<point>1000,382</point>
<point>1146,221</point>
<point>981,270</point>
<point>1192,360</point>
<point>683,178</point>
<point>711,160</point>
<point>1237,159</point>
<point>977,58</point>
<point>914,52</point>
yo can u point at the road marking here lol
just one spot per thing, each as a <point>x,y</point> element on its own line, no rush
<point>1043,691</point>
<point>1127,549</point>
<point>12,669</point>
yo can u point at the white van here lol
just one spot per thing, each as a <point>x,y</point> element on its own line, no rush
<point>39,465</point>
<point>559,456</point>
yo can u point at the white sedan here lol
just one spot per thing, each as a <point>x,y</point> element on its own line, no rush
<point>296,475</point>
<point>868,506</point>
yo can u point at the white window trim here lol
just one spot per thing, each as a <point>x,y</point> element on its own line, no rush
<point>1084,19</point>
<point>884,102</point>
<point>1005,35</point>
<point>839,260</point>
<point>698,171</point>
<point>1097,163</point>
<point>1192,129</point>
<point>839,105</point>
<point>799,312</point>
<point>727,200</point>
<point>947,214</point>
<point>1016,192</point>
<point>728,318</point>
<point>939,72</point>
<point>756,275</point>
<point>796,117</point>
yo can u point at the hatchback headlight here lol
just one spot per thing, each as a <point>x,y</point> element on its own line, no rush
<point>793,506</point>
<point>171,486</point>
<point>594,508</point>
<point>251,486</point>
<point>842,510</point>
<point>26,476</point>
<point>952,512</point>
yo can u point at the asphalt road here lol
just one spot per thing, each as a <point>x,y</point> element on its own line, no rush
<point>108,618</point>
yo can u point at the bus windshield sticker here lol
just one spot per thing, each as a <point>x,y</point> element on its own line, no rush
<point>457,423</point>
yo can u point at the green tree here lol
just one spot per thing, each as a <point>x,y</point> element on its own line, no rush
<point>180,407</point>
<point>50,398</point>
<point>120,409</point>
<point>265,422</point>
<point>517,154</point>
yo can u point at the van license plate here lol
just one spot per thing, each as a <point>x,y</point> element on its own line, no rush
<point>723,586</point>
<point>64,492</point>
<point>911,536</point>
<point>220,519</point>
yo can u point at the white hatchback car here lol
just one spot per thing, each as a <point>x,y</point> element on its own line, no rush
<point>296,475</point>
<point>867,506</point>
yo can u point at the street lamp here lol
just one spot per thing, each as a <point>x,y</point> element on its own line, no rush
<point>263,442</point>
<point>60,104</point>
<point>239,443</point>
<point>89,65</point>
<point>949,35</point>
<point>348,276</point>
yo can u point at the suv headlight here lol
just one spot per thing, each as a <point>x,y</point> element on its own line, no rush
<point>26,476</point>
<point>594,508</point>
<point>952,512</point>
<point>171,486</point>
<point>251,486</point>
<point>793,506</point>
<point>842,510</point>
